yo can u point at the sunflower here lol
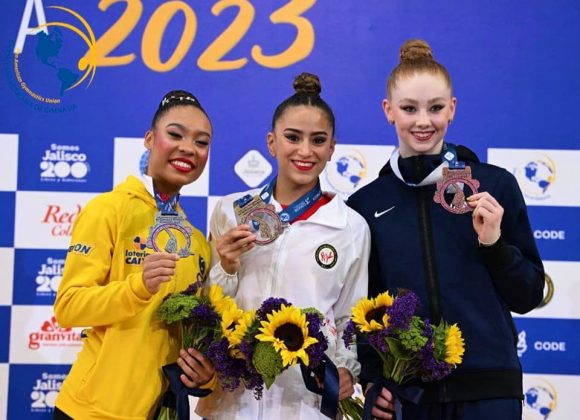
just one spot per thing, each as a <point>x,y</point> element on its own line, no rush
<point>219,301</point>
<point>455,346</point>
<point>370,314</point>
<point>235,323</point>
<point>287,329</point>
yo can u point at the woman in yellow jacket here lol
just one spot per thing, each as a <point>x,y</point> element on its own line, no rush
<point>130,248</point>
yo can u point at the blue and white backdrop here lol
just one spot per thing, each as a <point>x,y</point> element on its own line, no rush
<point>78,94</point>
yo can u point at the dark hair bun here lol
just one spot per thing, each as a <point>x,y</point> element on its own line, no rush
<point>307,83</point>
<point>415,49</point>
<point>179,97</point>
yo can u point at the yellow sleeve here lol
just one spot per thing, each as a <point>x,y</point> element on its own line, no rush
<point>87,296</point>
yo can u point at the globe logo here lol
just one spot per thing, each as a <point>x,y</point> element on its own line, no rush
<point>540,400</point>
<point>346,173</point>
<point>49,66</point>
<point>536,177</point>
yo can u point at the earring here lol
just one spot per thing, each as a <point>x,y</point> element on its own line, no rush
<point>391,122</point>
<point>449,122</point>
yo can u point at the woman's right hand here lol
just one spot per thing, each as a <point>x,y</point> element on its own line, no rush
<point>384,406</point>
<point>158,268</point>
<point>232,245</point>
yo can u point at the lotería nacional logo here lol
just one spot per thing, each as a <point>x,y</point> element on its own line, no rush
<point>61,220</point>
<point>540,400</point>
<point>536,177</point>
<point>522,343</point>
<point>44,392</point>
<point>49,276</point>
<point>346,172</point>
<point>64,163</point>
<point>52,335</point>
<point>59,57</point>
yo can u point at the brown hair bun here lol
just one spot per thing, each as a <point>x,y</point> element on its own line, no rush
<point>415,49</point>
<point>307,83</point>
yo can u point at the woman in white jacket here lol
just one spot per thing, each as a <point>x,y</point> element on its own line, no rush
<point>309,248</point>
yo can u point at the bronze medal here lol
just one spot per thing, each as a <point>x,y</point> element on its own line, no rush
<point>454,181</point>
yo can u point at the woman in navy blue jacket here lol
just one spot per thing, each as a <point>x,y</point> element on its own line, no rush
<point>469,255</point>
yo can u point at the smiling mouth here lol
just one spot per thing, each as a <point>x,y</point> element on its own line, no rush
<point>423,135</point>
<point>303,166</point>
<point>181,166</point>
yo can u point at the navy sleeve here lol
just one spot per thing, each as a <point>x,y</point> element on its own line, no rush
<point>514,262</point>
<point>371,365</point>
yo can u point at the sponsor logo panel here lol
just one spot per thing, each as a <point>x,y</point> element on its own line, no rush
<point>64,166</point>
<point>556,231</point>
<point>6,275</point>
<point>253,168</point>
<point>8,161</point>
<point>38,339</point>
<point>353,166</point>
<point>128,152</point>
<point>33,390</point>
<point>549,346</point>
<point>45,220</point>
<point>561,292</point>
<point>553,397</point>
<point>546,177</point>
<point>39,275</point>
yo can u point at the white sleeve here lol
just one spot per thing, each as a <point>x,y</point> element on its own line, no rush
<point>219,224</point>
<point>355,287</point>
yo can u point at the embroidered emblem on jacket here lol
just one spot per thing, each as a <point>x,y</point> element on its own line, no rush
<point>326,256</point>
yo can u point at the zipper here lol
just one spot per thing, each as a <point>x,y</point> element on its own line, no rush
<point>431,279</point>
<point>274,289</point>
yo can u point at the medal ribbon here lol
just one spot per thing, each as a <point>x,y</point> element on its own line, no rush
<point>166,204</point>
<point>449,155</point>
<point>294,210</point>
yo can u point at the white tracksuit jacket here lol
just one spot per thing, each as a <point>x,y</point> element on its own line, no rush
<point>289,268</point>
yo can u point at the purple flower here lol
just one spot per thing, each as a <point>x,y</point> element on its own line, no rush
<point>268,306</point>
<point>432,369</point>
<point>204,314</point>
<point>193,288</point>
<point>348,334</point>
<point>402,310</point>
<point>315,351</point>
<point>377,340</point>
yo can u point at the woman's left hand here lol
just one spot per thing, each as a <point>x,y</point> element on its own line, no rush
<point>487,215</point>
<point>197,370</point>
<point>346,385</point>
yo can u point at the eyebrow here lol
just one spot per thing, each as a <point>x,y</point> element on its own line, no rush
<point>184,128</point>
<point>294,130</point>
<point>430,101</point>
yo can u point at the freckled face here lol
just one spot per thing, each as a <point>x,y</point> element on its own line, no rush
<point>421,106</point>
<point>179,145</point>
<point>302,142</point>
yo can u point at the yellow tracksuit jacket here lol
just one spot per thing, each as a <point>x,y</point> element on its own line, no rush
<point>117,374</point>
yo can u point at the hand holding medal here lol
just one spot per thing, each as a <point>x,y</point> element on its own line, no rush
<point>232,245</point>
<point>487,216</point>
<point>158,268</point>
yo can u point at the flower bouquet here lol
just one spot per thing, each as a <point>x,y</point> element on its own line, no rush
<point>409,347</point>
<point>198,316</point>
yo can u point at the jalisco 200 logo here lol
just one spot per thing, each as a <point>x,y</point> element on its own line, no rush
<point>70,32</point>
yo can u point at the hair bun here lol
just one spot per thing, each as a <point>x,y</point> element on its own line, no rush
<point>307,83</point>
<point>415,49</point>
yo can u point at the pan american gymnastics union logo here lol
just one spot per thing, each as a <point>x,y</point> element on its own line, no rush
<point>46,70</point>
<point>540,400</point>
<point>536,177</point>
<point>346,173</point>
